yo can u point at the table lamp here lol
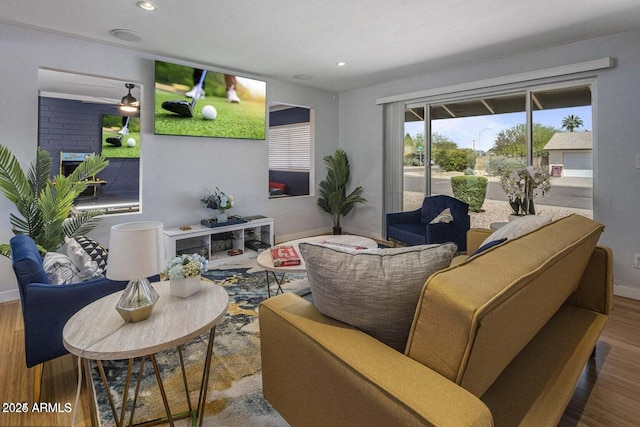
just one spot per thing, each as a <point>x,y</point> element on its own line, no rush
<point>135,253</point>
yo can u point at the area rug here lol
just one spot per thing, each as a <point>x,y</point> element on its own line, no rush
<point>235,382</point>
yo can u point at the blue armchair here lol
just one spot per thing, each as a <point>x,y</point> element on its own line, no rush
<point>414,228</point>
<point>46,308</point>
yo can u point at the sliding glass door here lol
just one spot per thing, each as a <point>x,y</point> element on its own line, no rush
<point>490,136</point>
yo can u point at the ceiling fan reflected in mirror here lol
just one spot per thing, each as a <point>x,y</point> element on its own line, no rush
<point>129,104</point>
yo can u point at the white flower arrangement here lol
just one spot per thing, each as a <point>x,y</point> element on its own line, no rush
<point>187,265</point>
<point>520,186</point>
<point>218,200</point>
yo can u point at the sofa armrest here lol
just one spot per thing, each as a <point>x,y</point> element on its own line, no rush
<point>47,308</point>
<point>475,237</point>
<point>404,217</point>
<point>317,371</point>
<point>595,290</point>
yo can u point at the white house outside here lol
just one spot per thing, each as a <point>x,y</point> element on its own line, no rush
<point>571,154</point>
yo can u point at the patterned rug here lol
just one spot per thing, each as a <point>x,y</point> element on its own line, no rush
<point>235,382</point>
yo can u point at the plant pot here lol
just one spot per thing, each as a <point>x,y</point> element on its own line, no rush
<point>186,287</point>
<point>222,216</point>
<point>337,231</point>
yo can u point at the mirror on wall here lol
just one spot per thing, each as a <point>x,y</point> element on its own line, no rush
<point>79,115</point>
<point>291,136</point>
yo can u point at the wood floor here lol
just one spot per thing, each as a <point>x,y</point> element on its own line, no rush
<point>608,393</point>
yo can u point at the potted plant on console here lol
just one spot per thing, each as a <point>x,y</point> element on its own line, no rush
<point>184,273</point>
<point>333,190</point>
<point>221,201</point>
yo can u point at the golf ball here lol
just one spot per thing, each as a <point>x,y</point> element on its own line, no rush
<point>209,112</point>
<point>131,142</point>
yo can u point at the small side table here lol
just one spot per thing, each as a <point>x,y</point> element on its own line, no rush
<point>266,261</point>
<point>97,332</point>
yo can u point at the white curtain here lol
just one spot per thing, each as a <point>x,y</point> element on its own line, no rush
<point>393,120</point>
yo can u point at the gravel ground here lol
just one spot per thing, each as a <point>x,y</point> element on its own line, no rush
<point>497,211</point>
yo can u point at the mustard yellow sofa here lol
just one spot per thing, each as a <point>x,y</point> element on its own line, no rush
<point>498,339</point>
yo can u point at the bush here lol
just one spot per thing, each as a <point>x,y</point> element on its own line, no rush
<point>469,171</point>
<point>470,189</point>
<point>455,159</point>
<point>502,165</point>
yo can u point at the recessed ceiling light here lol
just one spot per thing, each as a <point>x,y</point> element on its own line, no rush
<point>147,5</point>
<point>127,35</point>
<point>303,77</point>
<point>341,63</point>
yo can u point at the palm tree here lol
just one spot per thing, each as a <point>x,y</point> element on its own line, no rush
<point>571,122</point>
<point>45,206</point>
<point>333,190</point>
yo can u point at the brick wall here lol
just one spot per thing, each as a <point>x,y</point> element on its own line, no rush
<point>76,126</point>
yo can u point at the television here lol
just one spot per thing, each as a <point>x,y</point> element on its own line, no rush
<point>120,136</point>
<point>198,102</point>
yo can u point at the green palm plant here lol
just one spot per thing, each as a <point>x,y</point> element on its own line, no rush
<point>333,190</point>
<point>45,207</point>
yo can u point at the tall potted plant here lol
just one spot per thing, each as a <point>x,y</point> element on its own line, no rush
<point>45,207</point>
<point>333,190</point>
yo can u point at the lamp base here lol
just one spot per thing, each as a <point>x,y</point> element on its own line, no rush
<point>137,301</point>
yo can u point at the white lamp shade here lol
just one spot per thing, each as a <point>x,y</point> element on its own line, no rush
<point>135,250</point>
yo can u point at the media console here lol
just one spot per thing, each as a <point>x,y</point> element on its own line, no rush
<point>216,243</point>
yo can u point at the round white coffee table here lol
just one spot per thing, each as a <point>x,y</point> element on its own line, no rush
<point>266,261</point>
<point>98,332</point>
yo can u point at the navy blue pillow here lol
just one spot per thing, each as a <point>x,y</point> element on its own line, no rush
<point>488,246</point>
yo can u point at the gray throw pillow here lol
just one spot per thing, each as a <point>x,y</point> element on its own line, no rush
<point>375,290</point>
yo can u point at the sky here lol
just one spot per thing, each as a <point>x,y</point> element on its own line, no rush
<point>484,129</point>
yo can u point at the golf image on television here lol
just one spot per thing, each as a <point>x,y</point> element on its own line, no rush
<point>197,102</point>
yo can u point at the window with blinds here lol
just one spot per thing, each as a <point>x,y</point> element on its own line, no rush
<point>290,147</point>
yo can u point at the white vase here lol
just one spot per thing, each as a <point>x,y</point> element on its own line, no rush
<point>222,216</point>
<point>186,287</point>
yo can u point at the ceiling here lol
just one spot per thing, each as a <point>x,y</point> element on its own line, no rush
<point>380,40</point>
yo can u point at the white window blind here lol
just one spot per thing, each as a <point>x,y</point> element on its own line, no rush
<point>290,147</point>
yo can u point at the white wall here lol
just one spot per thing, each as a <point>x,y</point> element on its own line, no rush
<point>176,171</point>
<point>617,129</point>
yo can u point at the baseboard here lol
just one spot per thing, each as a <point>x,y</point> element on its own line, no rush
<point>7,296</point>
<point>626,292</point>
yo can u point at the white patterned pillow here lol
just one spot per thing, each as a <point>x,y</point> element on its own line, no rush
<point>60,269</point>
<point>375,290</point>
<point>95,251</point>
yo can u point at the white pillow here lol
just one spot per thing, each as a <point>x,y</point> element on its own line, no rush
<point>60,269</point>
<point>518,227</point>
<point>77,254</point>
<point>444,216</point>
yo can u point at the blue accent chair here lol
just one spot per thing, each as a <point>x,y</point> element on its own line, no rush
<point>413,228</point>
<point>46,308</point>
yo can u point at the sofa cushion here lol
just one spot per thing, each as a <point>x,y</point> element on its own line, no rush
<point>473,319</point>
<point>518,227</point>
<point>375,290</point>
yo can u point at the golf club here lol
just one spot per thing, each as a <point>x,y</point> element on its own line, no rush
<point>184,108</point>
<point>116,141</point>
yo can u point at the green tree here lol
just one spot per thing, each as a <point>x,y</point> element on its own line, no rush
<point>512,142</point>
<point>571,122</point>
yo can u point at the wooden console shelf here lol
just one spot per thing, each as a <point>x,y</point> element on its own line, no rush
<point>207,241</point>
